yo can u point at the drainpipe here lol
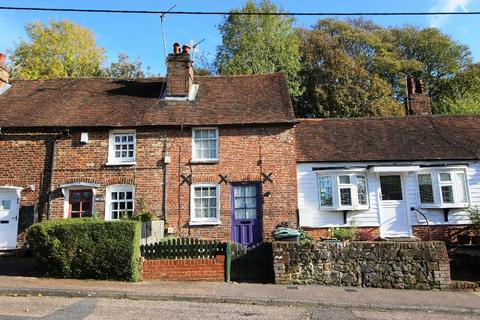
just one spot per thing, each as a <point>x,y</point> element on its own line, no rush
<point>52,169</point>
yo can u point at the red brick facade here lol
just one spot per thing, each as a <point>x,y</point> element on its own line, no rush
<point>244,154</point>
<point>184,269</point>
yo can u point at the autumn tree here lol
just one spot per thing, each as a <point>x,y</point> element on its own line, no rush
<point>60,49</point>
<point>253,44</point>
<point>356,68</point>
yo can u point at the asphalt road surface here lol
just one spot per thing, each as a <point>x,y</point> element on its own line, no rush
<point>92,308</point>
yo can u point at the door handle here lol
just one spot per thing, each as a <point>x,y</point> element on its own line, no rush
<point>16,218</point>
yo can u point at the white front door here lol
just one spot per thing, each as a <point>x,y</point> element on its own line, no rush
<point>8,219</point>
<point>393,207</point>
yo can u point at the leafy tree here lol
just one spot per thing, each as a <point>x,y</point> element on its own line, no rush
<point>253,44</point>
<point>60,49</point>
<point>335,73</point>
<point>461,94</point>
<point>372,62</point>
<point>124,68</point>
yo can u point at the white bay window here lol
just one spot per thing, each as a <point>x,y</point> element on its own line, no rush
<point>442,189</point>
<point>342,191</point>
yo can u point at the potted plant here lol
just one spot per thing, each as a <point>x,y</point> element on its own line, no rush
<point>344,234</point>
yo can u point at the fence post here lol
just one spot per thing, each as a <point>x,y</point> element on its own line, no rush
<point>228,261</point>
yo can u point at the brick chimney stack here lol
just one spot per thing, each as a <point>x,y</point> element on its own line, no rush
<point>417,101</point>
<point>179,72</point>
<point>4,72</point>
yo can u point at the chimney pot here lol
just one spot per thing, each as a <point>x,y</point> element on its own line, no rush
<point>417,102</point>
<point>186,49</point>
<point>176,48</point>
<point>3,58</point>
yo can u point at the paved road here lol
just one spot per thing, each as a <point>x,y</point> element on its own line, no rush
<point>53,308</point>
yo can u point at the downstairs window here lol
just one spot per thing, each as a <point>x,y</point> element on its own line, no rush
<point>442,189</point>
<point>343,191</point>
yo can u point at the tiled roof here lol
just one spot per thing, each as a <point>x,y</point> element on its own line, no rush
<point>118,103</point>
<point>389,139</point>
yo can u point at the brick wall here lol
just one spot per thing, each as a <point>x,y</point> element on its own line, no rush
<point>446,233</point>
<point>184,269</point>
<point>245,152</point>
<point>25,163</point>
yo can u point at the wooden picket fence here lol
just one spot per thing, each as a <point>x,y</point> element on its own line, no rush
<point>183,248</point>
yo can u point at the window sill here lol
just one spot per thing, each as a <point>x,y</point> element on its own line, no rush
<point>204,223</point>
<point>121,163</point>
<point>212,161</point>
<point>344,209</point>
<point>444,206</point>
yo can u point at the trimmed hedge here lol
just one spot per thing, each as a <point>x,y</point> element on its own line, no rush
<point>87,248</point>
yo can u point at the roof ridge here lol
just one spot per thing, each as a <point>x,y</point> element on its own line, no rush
<point>389,118</point>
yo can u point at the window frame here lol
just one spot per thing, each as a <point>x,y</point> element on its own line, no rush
<point>336,190</point>
<point>217,140</point>
<point>112,160</point>
<point>204,221</point>
<point>108,198</point>
<point>437,185</point>
<point>80,213</point>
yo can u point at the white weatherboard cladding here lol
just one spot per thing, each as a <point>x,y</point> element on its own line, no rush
<point>311,216</point>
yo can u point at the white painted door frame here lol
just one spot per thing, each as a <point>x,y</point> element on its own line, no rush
<point>394,204</point>
<point>9,216</point>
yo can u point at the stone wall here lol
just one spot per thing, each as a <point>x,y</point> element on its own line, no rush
<point>402,265</point>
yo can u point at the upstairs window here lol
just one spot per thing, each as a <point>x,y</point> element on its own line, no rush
<point>343,191</point>
<point>442,189</point>
<point>122,147</point>
<point>205,144</point>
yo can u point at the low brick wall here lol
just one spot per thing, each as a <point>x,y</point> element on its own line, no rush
<point>446,233</point>
<point>184,269</point>
<point>402,265</point>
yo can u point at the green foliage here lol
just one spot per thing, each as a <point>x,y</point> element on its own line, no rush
<point>305,236</point>
<point>344,234</point>
<point>60,49</point>
<point>253,44</point>
<point>358,69</point>
<point>142,213</point>
<point>461,94</point>
<point>124,68</point>
<point>474,213</point>
<point>87,248</point>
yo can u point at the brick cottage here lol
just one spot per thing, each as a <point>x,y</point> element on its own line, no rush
<point>222,157</point>
<point>213,156</point>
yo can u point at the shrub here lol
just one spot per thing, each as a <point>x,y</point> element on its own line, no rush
<point>344,233</point>
<point>305,237</point>
<point>474,214</point>
<point>366,235</point>
<point>87,248</point>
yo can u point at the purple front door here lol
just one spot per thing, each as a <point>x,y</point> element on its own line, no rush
<point>246,213</point>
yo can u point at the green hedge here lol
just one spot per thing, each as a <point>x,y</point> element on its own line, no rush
<point>87,248</point>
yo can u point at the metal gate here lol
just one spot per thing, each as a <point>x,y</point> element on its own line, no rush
<point>250,264</point>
